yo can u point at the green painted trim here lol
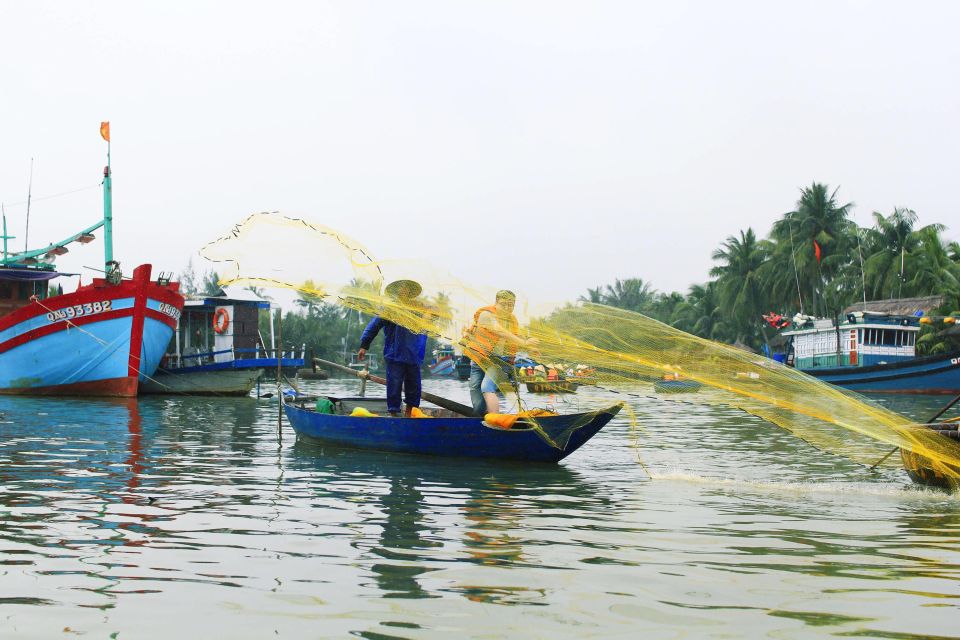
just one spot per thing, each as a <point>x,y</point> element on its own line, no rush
<point>19,257</point>
<point>107,214</point>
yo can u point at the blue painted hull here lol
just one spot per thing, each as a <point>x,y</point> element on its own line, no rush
<point>266,364</point>
<point>453,437</point>
<point>446,367</point>
<point>101,340</point>
<point>938,374</point>
<point>100,352</point>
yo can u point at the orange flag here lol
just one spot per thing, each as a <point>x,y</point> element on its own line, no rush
<point>105,130</point>
<point>816,250</point>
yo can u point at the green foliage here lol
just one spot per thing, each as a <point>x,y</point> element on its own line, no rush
<point>196,284</point>
<point>892,259</point>
<point>211,284</point>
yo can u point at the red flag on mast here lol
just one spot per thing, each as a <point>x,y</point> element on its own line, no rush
<point>816,250</point>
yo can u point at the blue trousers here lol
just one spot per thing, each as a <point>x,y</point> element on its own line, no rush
<point>402,377</point>
<point>476,396</point>
<point>499,372</point>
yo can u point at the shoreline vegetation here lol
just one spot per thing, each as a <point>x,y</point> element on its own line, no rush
<point>815,260</point>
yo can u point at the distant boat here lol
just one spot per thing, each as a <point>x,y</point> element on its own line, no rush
<point>224,382</point>
<point>446,434</point>
<point>100,340</point>
<point>876,353</point>
<point>216,349</point>
<point>551,386</point>
<point>540,378</point>
<point>444,363</point>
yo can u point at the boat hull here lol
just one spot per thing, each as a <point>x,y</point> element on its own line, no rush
<point>938,374</point>
<point>452,437</point>
<point>552,386</point>
<point>228,382</point>
<point>921,471</point>
<point>98,341</point>
<point>444,367</point>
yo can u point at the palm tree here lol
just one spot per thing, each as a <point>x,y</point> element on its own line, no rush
<point>818,222</point>
<point>893,248</point>
<point>593,295</point>
<point>700,313</point>
<point>953,249</point>
<point>740,288</point>
<point>632,294</point>
<point>309,297</point>
<point>934,272</point>
<point>665,306</point>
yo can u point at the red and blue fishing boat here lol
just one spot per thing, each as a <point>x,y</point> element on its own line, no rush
<point>444,363</point>
<point>100,340</point>
<point>444,433</point>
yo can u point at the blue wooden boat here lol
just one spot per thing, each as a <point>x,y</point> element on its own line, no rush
<point>548,439</point>
<point>444,363</point>
<point>871,352</point>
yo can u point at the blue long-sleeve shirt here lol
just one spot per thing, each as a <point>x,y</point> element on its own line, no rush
<point>399,344</point>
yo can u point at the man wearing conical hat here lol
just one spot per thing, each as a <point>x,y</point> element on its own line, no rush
<point>403,350</point>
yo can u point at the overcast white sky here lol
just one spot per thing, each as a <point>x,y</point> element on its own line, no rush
<point>542,146</point>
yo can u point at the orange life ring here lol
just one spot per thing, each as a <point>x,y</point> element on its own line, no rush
<point>221,320</point>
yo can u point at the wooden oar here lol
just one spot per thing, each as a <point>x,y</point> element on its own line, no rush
<point>930,421</point>
<point>452,405</point>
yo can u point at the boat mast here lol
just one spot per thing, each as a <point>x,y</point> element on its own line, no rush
<point>107,202</point>
<point>5,236</point>
<point>26,235</point>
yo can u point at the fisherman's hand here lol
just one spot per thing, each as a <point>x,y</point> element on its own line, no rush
<point>361,353</point>
<point>363,374</point>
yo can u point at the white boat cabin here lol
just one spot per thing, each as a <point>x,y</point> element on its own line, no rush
<point>865,339</point>
<point>222,328</point>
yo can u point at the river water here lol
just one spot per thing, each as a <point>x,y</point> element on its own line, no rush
<point>185,517</point>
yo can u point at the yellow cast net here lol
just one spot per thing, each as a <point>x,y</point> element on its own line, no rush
<point>610,347</point>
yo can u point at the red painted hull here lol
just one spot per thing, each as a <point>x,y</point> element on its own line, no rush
<point>113,388</point>
<point>52,346</point>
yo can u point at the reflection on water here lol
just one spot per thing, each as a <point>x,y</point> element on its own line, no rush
<point>152,517</point>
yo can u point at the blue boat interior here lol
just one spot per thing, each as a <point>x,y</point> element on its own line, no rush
<point>378,406</point>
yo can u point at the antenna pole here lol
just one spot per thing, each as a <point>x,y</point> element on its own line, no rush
<point>863,274</point>
<point>26,235</point>
<point>796,272</point>
<point>4,211</point>
<point>903,274</point>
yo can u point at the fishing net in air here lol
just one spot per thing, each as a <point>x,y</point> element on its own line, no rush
<point>590,343</point>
